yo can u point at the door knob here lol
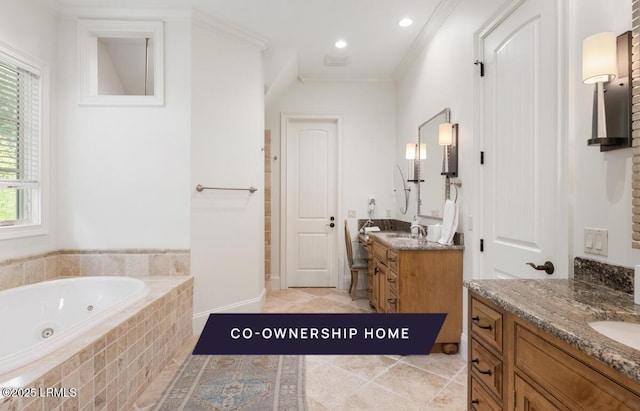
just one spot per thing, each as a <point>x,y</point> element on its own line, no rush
<point>547,267</point>
<point>331,225</point>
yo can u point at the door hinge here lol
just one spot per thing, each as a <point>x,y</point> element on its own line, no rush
<point>481,245</point>
<point>482,158</point>
<point>481,64</point>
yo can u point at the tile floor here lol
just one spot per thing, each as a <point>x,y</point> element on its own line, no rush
<point>359,382</point>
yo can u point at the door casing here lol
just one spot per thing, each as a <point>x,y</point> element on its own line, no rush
<point>563,228</point>
<point>285,118</point>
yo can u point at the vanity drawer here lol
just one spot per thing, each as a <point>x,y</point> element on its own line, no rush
<point>573,382</point>
<point>392,293</point>
<point>380,252</point>
<point>480,399</point>
<point>486,367</point>
<point>392,282</point>
<point>392,259</point>
<point>486,323</point>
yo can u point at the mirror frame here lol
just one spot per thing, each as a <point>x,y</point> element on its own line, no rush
<point>88,33</point>
<point>635,125</point>
<point>405,191</point>
<point>447,115</point>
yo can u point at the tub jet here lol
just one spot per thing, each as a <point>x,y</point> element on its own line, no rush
<point>47,332</point>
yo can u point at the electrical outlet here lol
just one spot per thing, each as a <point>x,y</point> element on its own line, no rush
<point>596,241</point>
<point>388,213</point>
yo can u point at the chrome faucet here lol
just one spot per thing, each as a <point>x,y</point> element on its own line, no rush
<point>422,233</point>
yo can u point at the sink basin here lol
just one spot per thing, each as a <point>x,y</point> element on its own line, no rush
<point>624,332</point>
<point>398,235</point>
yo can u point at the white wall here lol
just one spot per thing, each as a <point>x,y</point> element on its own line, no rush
<point>602,181</point>
<point>227,123</point>
<point>125,171</point>
<point>443,76</point>
<point>31,30</point>
<point>368,112</point>
<point>599,193</point>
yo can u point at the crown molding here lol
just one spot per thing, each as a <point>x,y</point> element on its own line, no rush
<point>208,22</point>
<point>125,13</point>
<point>428,32</point>
<point>329,78</point>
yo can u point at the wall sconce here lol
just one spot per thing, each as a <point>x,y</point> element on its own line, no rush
<point>448,137</point>
<point>606,58</point>
<point>413,166</point>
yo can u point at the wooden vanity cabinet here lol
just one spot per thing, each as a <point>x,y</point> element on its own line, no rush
<point>515,365</point>
<point>486,367</point>
<point>420,281</point>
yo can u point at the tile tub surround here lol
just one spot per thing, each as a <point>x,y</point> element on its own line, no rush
<point>612,276</point>
<point>63,263</point>
<point>563,308</point>
<point>113,363</point>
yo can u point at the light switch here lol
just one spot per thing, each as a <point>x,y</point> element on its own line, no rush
<point>351,213</point>
<point>598,242</point>
<point>588,241</point>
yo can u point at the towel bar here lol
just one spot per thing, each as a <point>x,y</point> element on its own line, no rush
<point>200,188</point>
<point>456,184</point>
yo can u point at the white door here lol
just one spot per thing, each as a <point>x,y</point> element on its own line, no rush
<point>311,202</point>
<point>520,143</point>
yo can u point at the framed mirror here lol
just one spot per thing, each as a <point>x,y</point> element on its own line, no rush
<point>121,62</point>
<point>431,189</point>
<point>400,190</point>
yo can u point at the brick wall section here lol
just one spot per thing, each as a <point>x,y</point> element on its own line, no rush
<point>635,7</point>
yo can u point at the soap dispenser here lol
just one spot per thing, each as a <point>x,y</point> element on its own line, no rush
<point>415,230</point>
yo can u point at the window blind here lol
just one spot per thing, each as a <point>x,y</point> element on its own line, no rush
<point>19,127</point>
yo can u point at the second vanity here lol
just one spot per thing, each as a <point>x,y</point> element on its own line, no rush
<point>408,275</point>
<point>531,347</point>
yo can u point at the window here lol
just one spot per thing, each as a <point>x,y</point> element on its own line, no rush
<point>20,181</point>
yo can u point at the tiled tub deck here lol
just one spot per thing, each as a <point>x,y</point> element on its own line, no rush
<point>112,363</point>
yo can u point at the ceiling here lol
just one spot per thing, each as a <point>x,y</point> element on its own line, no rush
<point>376,44</point>
<point>309,28</point>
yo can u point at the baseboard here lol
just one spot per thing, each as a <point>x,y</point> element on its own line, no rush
<point>253,305</point>
<point>275,282</point>
<point>463,347</point>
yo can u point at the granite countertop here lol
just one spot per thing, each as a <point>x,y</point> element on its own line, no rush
<point>563,308</point>
<point>402,241</point>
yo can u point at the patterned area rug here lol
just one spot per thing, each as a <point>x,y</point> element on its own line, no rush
<point>224,382</point>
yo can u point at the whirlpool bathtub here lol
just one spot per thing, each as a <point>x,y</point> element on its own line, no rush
<point>40,318</point>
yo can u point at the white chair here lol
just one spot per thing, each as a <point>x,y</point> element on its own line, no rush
<point>356,265</point>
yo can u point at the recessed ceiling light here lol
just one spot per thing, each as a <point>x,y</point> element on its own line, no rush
<point>341,44</point>
<point>405,22</point>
